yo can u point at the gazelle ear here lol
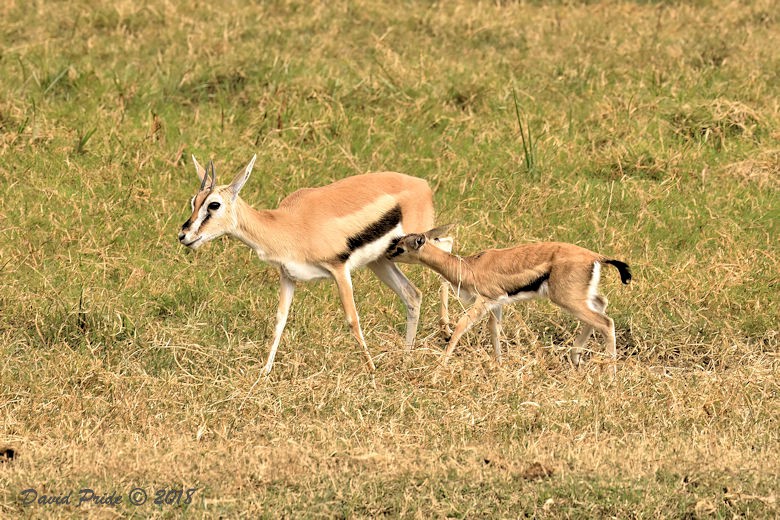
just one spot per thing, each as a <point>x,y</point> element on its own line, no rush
<point>201,171</point>
<point>241,178</point>
<point>439,232</point>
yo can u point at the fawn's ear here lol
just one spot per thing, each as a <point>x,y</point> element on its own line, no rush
<point>440,237</point>
<point>439,232</point>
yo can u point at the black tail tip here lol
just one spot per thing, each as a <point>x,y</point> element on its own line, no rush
<point>623,268</point>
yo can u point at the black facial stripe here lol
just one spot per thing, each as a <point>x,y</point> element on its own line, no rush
<point>531,287</point>
<point>373,232</point>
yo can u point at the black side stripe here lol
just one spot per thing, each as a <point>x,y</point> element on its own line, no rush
<point>531,287</point>
<point>373,232</point>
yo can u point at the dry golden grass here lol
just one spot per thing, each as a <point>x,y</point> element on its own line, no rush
<point>129,362</point>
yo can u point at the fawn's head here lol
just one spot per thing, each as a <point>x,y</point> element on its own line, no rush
<point>408,249</point>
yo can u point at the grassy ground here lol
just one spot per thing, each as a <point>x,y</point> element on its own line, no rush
<point>651,133</point>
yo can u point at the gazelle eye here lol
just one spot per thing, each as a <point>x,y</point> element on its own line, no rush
<point>214,206</point>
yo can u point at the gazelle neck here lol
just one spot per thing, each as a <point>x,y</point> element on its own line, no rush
<point>454,269</point>
<point>255,227</point>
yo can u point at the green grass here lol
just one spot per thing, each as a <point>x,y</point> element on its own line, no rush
<point>644,130</point>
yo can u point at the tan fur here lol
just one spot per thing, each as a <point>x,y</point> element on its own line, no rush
<point>562,272</point>
<point>332,213</point>
<point>308,235</point>
<point>492,272</point>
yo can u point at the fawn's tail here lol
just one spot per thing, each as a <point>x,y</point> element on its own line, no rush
<point>625,271</point>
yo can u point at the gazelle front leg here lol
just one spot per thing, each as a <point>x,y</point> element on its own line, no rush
<point>445,244</point>
<point>444,312</point>
<point>472,316</point>
<point>344,284</point>
<point>286,290</point>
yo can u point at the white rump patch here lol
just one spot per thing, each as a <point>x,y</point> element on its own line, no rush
<point>593,286</point>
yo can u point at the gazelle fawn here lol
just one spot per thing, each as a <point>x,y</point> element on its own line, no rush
<point>323,232</point>
<point>566,274</point>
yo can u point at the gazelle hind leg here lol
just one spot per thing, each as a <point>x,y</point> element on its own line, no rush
<point>579,343</point>
<point>394,278</point>
<point>605,325</point>
<point>495,332</point>
<point>472,316</point>
<point>609,335</point>
<point>611,347</point>
<point>598,303</point>
<point>598,321</point>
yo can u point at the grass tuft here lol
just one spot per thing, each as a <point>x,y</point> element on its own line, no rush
<point>526,139</point>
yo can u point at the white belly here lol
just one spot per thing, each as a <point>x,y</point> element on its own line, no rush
<point>529,295</point>
<point>302,272</point>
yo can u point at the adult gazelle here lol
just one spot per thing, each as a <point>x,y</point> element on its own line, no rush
<point>322,232</point>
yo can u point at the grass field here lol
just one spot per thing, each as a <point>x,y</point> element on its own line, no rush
<point>650,131</point>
